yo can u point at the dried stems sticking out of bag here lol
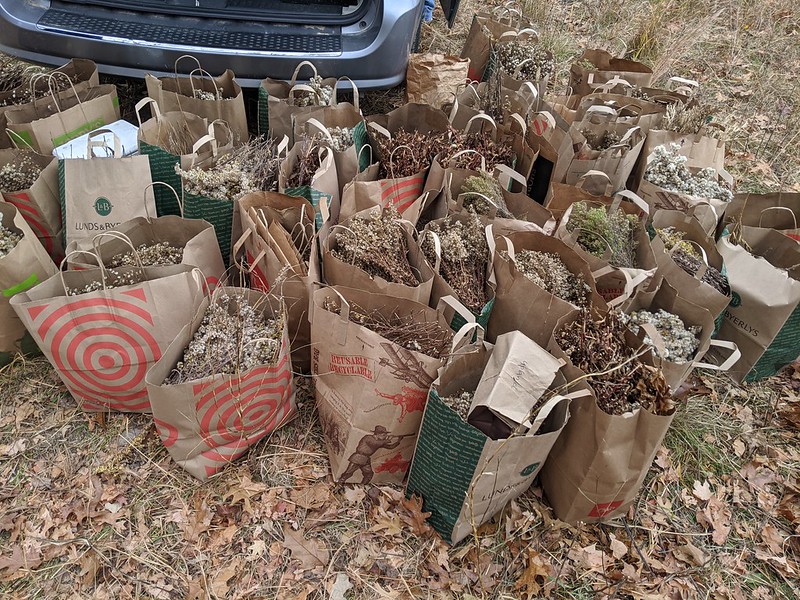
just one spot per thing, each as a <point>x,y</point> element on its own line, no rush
<point>549,272</point>
<point>688,259</point>
<point>151,255</point>
<point>512,54</point>
<point>233,337</point>
<point>8,240</point>
<point>178,139</point>
<point>17,176</point>
<point>494,153</point>
<point>377,245</point>
<point>688,119</point>
<point>416,154</point>
<point>620,380</point>
<point>600,231</point>
<point>200,94</point>
<point>464,260</point>
<point>307,163</point>
<point>251,167</point>
<point>484,194</point>
<point>668,170</point>
<point>13,73</point>
<point>22,93</point>
<point>321,96</point>
<point>493,102</point>
<point>680,341</point>
<point>410,331</point>
<point>600,140</point>
<point>460,403</point>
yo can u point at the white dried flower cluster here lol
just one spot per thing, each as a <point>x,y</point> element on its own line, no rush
<point>114,279</point>
<point>151,255</point>
<point>225,181</point>
<point>342,138</point>
<point>668,170</point>
<point>8,240</point>
<point>322,97</point>
<point>460,242</point>
<point>680,341</point>
<point>19,175</point>
<point>233,337</point>
<point>511,54</point>
<point>460,403</point>
<point>549,272</point>
<point>205,95</point>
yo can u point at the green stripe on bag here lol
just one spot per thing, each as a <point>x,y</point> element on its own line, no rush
<point>781,351</point>
<point>447,454</point>
<point>458,321</point>
<point>162,169</point>
<point>85,128</point>
<point>361,139</point>
<point>27,284</point>
<point>217,212</point>
<point>263,111</point>
<point>315,197</point>
<point>63,200</point>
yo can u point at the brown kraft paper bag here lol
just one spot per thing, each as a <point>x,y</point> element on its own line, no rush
<point>597,465</point>
<point>39,204</point>
<point>203,95</point>
<point>207,423</point>
<point>102,343</point>
<point>435,78</point>
<point>777,210</point>
<point>21,268</point>
<point>604,67</point>
<point>51,121</point>
<point>370,391</point>
<point>486,29</point>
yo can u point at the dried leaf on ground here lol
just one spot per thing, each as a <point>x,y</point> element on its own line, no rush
<point>309,552</point>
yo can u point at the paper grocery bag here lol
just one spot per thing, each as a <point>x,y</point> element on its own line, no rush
<point>486,29</point>
<point>596,67</point>
<point>617,161</point>
<point>102,343</point>
<point>370,391</point>
<point>168,139</point>
<point>213,98</point>
<point>39,204</point>
<point>23,267</point>
<point>324,186</point>
<point>763,318</point>
<point>435,78</point>
<point>98,194</point>
<point>777,210</point>
<point>54,120</point>
<point>463,476</point>
<point>556,142</point>
<point>207,423</point>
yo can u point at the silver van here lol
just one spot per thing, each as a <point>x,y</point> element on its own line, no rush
<point>367,40</point>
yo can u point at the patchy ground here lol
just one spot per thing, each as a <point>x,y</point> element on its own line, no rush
<point>91,506</point>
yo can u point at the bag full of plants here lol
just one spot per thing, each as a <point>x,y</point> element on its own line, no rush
<point>486,29</point>
<point>597,466</point>
<point>103,190</point>
<point>668,183</point>
<point>340,125</point>
<point>160,241</point>
<point>59,117</point>
<point>374,357</point>
<point>377,251</point>
<point>279,102</point>
<point>689,261</point>
<point>168,139</point>
<point>538,280</point>
<point>677,331</point>
<point>457,248</point>
<point>763,318</point>
<point>677,91</point>
<point>277,243</point>
<point>225,382</point>
<point>309,171</point>
<point>464,475</point>
<point>214,180</point>
<point>776,210</point>
<point>201,94</point>
<point>494,99</point>
<point>24,263</point>
<point>595,67</point>
<point>609,147</point>
<point>521,57</point>
<point>29,181</point>
<point>623,109</point>
<point>612,238</point>
<point>701,150</point>
<point>102,328</point>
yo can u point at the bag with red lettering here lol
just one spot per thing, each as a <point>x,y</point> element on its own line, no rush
<point>372,382</point>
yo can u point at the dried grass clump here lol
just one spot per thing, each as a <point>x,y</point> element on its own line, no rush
<point>8,240</point>
<point>151,255</point>
<point>484,194</point>
<point>19,175</point>
<point>601,232</point>
<point>549,272</point>
<point>377,245</point>
<point>233,337</point>
<point>407,153</point>
<point>621,381</point>
<point>464,258</point>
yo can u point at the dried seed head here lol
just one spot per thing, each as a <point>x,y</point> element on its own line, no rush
<point>680,341</point>
<point>8,240</point>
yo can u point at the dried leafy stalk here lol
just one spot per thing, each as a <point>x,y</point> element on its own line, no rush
<point>549,272</point>
<point>621,381</point>
<point>600,231</point>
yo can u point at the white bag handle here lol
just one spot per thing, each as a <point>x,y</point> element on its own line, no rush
<point>335,98</point>
<point>729,362</point>
<point>92,143</point>
<point>153,108</point>
<point>299,66</point>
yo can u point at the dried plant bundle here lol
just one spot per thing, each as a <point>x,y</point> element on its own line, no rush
<point>680,341</point>
<point>233,337</point>
<point>321,96</point>
<point>530,58</point>
<point>16,78</point>
<point>8,240</point>
<point>486,150</point>
<point>151,255</point>
<point>114,278</point>
<point>464,258</point>
<point>307,163</point>
<point>600,140</point>
<point>341,138</point>
<point>688,119</point>
<point>601,232</point>
<point>484,194</point>
<point>621,381</point>
<point>688,259</point>
<point>549,272</point>
<point>377,245</point>
<point>667,169</point>
<point>407,153</point>
<point>460,403</point>
<point>19,175</point>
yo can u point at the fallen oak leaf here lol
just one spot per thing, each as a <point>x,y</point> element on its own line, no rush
<point>538,570</point>
<point>14,566</point>
<point>310,553</point>
<point>690,554</point>
<point>416,518</point>
<point>716,516</point>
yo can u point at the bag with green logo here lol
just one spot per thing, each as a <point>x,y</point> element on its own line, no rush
<point>464,475</point>
<point>97,194</point>
<point>763,318</point>
<point>56,119</point>
<point>23,264</point>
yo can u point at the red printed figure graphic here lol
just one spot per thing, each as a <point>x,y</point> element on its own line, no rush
<point>361,459</point>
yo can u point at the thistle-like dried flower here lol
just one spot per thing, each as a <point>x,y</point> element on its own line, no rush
<point>680,341</point>
<point>233,337</point>
<point>667,169</point>
<point>8,240</point>
<point>549,272</point>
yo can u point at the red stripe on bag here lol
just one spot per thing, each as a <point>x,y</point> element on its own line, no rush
<point>396,192</point>
<point>168,433</point>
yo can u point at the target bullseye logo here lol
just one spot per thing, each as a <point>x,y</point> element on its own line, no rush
<point>101,347</point>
